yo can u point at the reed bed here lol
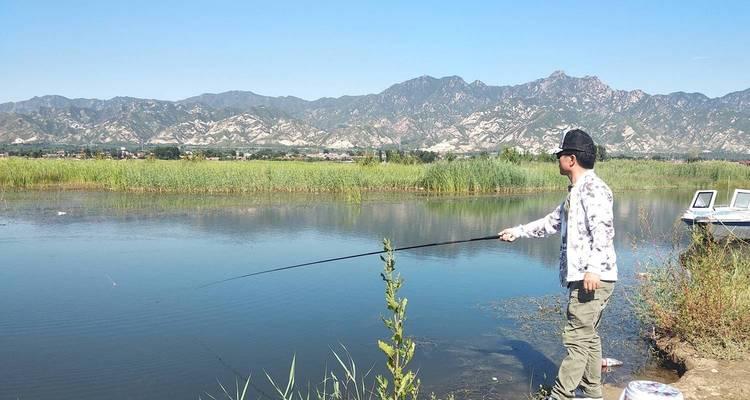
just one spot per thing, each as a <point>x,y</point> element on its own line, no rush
<point>491,175</point>
<point>652,174</point>
<point>205,177</point>
<point>462,176</point>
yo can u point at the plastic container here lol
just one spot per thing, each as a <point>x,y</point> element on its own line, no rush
<point>649,390</point>
<point>611,362</point>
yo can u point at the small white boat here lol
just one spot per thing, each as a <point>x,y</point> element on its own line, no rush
<point>703,211</point>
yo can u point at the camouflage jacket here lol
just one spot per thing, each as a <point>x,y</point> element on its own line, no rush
<point>585,221</point>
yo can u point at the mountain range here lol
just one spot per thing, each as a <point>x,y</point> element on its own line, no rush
<point>438,114</point>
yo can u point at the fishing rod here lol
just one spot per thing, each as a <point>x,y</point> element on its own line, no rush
<point>268,271</point>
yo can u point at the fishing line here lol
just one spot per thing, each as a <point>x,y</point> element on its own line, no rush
<point>233,370</point>
<point>268,271</point>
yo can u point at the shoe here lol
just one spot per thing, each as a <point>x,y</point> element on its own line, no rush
<point>579,394</point>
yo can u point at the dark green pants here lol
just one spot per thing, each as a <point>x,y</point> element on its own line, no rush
<point>583,364</point>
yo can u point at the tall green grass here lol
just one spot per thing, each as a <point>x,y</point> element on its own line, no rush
<point>493,175</point>
<point>462,176</point>
<point>651,174</point>
<point>205,177</point>
<point>490,175</point>
<point>703,296</point>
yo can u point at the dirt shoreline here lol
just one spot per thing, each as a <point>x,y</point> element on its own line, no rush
<point>704,378</point>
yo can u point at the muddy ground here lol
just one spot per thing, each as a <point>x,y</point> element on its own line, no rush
<point>703,378</point>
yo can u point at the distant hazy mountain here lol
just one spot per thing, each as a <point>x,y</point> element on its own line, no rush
<point>445,114</point>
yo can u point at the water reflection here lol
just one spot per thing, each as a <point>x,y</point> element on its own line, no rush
<point>414,220</point>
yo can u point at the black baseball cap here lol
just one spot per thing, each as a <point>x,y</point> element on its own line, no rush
<point>576,140</point>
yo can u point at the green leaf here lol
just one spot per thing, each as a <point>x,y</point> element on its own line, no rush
<point>387,348</point>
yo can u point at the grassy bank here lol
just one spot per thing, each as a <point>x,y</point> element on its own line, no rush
<point>703,297</point>
<point>466,176</point>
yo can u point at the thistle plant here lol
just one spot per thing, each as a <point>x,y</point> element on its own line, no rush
<point>400,350</point>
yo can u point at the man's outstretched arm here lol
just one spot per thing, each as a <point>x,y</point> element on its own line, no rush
<point>545,226</point>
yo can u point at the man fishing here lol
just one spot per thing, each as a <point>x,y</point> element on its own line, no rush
<point>588,265</point>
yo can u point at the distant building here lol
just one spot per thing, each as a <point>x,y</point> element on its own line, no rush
<point>57,154</point>
<point>124,153</point>
<point>745,162</point>
<point>331,156</point>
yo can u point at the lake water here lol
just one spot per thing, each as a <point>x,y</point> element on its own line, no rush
<point>98,291</point>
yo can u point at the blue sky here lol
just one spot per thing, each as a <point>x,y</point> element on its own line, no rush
<point>172,50</point>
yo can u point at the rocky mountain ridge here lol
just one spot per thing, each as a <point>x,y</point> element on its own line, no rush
<point>440,114</point>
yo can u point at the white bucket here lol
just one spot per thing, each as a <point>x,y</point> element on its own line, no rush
<point>648,390</point>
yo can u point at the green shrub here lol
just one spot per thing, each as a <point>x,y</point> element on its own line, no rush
<point>703,296</point>
<point>167,153</point>
<point>400,350</point>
